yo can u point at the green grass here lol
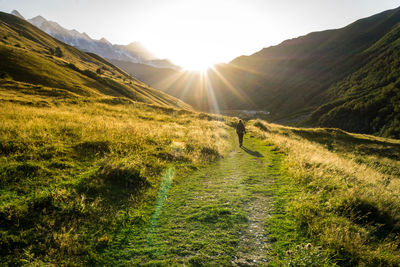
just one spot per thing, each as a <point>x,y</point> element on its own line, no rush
<point>68,169</point>
<point>27,57</point>
<point>203,217</point>
<point>345,78</point>
<point>91,176</point>
<point>340,194</point>
<point>109,181</point>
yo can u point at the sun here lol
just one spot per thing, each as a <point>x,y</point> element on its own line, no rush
<point>196,65</point>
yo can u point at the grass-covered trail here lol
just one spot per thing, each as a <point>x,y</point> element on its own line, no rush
<point>214,216</point>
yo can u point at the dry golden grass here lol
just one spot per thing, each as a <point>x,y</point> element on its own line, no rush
<point>350,201</point>
<point>68,168</point>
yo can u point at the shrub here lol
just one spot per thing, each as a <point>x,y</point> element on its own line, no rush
<point>73,67</point>
<point>5,75</point>
<point>58,52</point>
<point>90,74</point>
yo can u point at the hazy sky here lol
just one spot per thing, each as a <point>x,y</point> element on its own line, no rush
<point>193,33</point>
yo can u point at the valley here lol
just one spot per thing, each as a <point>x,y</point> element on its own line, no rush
<point>98,167</point>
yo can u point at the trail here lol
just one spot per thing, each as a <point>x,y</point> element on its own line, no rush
<point>214,217</point>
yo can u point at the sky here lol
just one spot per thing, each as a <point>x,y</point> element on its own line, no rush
<point>197,34</point>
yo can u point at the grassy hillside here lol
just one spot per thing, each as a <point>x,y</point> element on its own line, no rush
<point>73,169</point>
<point>84,164</point>
<point>31,56</point>
<point>188,86</point>
<point>79,174</point>
<point>156,77</point>
<point>341,192</point>
<point>368,100</point>
<point>346,78</point>
<point>294,75</point>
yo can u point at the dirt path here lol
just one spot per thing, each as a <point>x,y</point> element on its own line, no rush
<point>214,217</point>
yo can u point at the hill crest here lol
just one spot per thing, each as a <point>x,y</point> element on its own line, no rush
<point>31,56</point>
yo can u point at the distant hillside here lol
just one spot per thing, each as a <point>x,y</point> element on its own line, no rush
<point>134,52</point>
<point>368,100</point>
<point>29,55</point>
<point>345,78</point>
<point>155,77</point>
<point>346,68</point>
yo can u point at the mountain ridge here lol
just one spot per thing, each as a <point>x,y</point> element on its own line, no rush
<point>134,52</point>
<point>306,80</point>
<point>28,55</point>
<point>296,80</point>
<point>16,13</point>
<point>297,77</point>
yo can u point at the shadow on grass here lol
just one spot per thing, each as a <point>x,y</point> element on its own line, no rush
<point>253,153</point>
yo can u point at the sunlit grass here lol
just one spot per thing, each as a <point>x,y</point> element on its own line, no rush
<point>69,167</point>
<point>345,191</point>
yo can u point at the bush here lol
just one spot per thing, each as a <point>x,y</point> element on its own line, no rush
<point>5,75</point>
<point>90,74</point>
<point>58,52</point>
<point>73,67</point>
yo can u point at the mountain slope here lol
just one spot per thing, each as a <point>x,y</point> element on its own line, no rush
<point>16,13</point>
<point>293,75</point>
<point>346,78</point>
<point>368,100</point>
<point>31,56</point>
<point>134,52</point>
<point>334,70</point>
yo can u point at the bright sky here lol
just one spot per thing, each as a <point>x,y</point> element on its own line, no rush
<point>198,33</point>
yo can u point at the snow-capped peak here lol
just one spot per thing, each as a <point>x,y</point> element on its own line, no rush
<point>134,52</point>
<point>37,21</point>
<point>104,40</point>
<point>17,14</point>
<point>86,36</point>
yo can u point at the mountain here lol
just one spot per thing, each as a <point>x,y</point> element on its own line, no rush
<point>137,48</point>
<point>16,13</point>
<point>323,72</point>
<point>133,52</point>
<point>346,78</point>
<point>328,78</point>
<point>30,58</point>
<point>189,86</point>
<point>368,100</point>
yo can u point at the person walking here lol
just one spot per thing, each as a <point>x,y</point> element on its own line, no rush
<point>240,130</point>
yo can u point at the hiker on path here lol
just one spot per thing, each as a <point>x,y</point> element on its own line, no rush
<point>240,130</point>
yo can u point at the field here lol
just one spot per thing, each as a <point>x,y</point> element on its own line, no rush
<point>99,169</point>
<point>341,192</point>
<point>80,173</point>
<point>69,168</point>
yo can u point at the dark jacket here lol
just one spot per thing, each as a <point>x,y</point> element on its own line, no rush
<point>240,128</point>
